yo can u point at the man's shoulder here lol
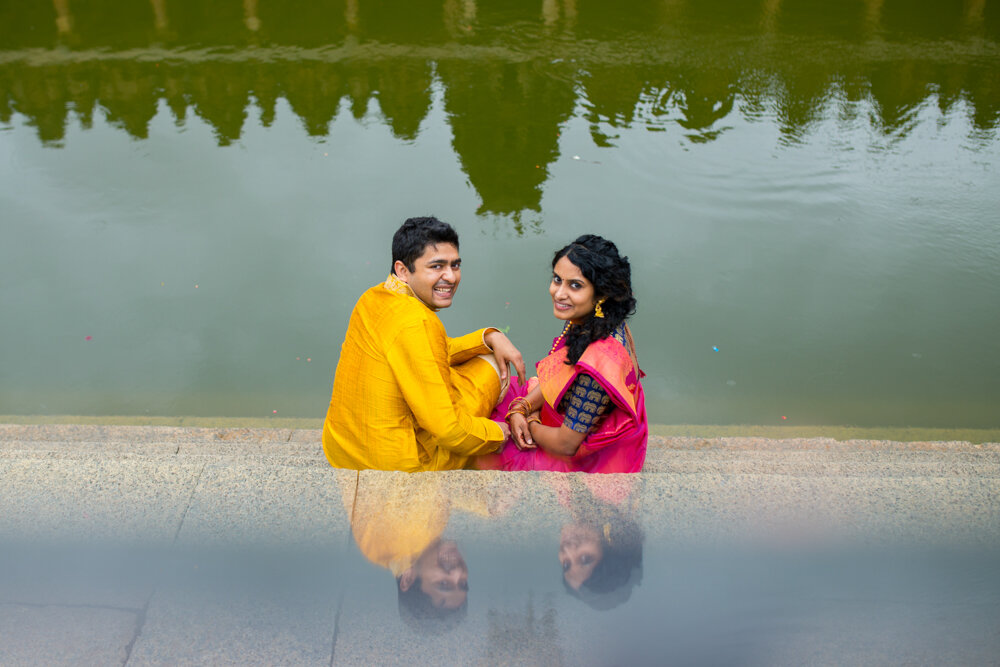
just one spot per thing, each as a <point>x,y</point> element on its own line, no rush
<point>391,308</point>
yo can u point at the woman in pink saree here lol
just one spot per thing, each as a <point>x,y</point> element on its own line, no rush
<point>585,411</point>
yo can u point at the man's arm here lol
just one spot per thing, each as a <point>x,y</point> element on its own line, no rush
<point>422,379</point>
<point>463,348</point>
<point>484,341</point>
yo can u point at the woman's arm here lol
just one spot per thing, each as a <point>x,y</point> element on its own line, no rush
<point>589,402</point>
<point>556,440</point>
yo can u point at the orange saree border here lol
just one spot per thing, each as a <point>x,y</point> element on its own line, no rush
<point>607,360</point>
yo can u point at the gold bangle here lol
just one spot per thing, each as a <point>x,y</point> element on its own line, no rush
<point>534,419</point>
<point>513,412</point>
<point>522,403</point>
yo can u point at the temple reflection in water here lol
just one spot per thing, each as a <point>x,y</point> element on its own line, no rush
<point>511,74</point>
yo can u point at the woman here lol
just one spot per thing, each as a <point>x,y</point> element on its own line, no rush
<point>586,409</point>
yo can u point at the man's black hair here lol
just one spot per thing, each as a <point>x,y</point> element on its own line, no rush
<point>418,611</point>
<point>413,237</point>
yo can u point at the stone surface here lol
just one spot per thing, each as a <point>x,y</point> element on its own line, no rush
<point>210,625</point>
<point>239,503</point>
<point>53,635</point>
<point>101,499</point>
<point>200,545</point>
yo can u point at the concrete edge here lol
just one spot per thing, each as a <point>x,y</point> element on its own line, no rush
<point>241,442</point>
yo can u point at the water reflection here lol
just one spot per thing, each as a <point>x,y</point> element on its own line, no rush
<point>512,76</point>
<point>401,526</point>
<point>401,522</point>
<point>262,569</point>
<point>600,550</point>
<point>806,185</point>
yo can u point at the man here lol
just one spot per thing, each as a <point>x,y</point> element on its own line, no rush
<point>405,396</point>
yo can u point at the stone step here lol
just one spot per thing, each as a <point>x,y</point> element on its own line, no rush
<point>666,455</point>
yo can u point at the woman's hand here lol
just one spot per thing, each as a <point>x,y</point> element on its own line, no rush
<point>520,432</point>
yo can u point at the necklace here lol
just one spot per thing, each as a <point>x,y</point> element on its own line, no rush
<point>561,336</point>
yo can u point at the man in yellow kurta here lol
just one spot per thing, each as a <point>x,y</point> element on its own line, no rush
<point>405,395</point>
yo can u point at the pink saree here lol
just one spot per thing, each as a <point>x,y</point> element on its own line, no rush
<point>618,444</point>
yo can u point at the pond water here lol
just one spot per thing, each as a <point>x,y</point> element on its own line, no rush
<point>193,195</point>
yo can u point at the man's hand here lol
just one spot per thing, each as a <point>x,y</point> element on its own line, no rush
<point>505,352</point>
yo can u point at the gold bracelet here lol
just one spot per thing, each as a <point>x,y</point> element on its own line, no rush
<point>512,412</point>
<point>523,403</point>
<point>534,419</point>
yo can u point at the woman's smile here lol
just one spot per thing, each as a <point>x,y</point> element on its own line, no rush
<point>572,294</point>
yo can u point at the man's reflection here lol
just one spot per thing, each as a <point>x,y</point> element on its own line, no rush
<point>436,585</point>
<point>600,550</point>
<point>399,522</point>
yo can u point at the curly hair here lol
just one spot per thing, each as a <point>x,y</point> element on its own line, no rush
<point>611,275</point>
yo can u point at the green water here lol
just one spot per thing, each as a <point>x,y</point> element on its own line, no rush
<point>204,188</point>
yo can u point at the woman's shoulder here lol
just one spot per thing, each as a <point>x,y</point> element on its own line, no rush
<point>619,334</point>
<point>617,337</point>
<point>614,346</point>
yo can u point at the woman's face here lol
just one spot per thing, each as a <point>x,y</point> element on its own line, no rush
<point>572,294</point>
<point>580,550</point>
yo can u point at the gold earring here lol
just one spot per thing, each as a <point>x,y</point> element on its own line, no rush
<point>607,533</point>
<point>597,309</point>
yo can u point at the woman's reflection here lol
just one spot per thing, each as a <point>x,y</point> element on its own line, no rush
<point>600,550</point>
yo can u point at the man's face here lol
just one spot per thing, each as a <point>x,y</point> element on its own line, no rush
<point>444,577</point>
<point>435,275</point>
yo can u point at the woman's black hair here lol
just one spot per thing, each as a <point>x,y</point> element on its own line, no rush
<point>611,275</point>
<point>620,569</point>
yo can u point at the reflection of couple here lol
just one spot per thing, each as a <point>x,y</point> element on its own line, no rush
<point>400,523</point>
<point>408,397</point>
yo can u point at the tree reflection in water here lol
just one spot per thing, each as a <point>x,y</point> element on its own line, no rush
<point>511,76</point>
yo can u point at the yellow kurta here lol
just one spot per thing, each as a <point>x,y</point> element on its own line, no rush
<point>395,520</point>
<point>405,396</point>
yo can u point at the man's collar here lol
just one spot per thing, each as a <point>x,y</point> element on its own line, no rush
<point>397,286</point>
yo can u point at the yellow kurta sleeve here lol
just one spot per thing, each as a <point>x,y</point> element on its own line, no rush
<point>466,347</point>
<point>423,379</point>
